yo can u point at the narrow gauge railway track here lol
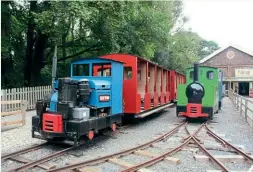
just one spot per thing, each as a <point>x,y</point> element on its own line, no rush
<point>38,162</point>
<point>59,153</point>
<point>84,165</point>
<point>119,154</point>
<point>23,151</point>
<point>15,156</point>
<point>197,141</point>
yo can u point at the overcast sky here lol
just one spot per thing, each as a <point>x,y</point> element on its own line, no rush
<point>224,21</point>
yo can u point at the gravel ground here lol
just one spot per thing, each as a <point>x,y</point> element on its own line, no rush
<point>239,133</point>
<point>145,130</point>
<point>187,164</point>
<point>234,126</point>
<point>18,137</point>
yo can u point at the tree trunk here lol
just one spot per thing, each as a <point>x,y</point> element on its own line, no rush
<point>29,48</point>
<point>5,38</point>
<point>38,57</point>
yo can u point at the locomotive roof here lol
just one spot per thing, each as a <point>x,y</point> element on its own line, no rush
<point>151,62</point>
<point>202,66</point>
<point>94,58</point>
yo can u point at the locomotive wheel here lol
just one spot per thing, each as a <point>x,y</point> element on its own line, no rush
<point>90,135</point>
<point>113,126</point>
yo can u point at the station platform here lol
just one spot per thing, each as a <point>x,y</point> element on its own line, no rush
<point>242,105</point>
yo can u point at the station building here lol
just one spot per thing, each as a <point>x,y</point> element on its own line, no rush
<point>237,67</point>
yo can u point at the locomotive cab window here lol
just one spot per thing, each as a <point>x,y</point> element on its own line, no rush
<point>101,69</point>
<point>81,70</point>
<point>210,75</point>
<point>127,73</point>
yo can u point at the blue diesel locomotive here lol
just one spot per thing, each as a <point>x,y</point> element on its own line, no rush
<point>83,104</point>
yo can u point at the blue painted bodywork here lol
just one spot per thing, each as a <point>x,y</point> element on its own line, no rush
<point>56,84</point>
<point>53,102</point>
<point>99,85</point>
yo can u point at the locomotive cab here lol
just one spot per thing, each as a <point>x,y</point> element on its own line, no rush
<point>82,104</point>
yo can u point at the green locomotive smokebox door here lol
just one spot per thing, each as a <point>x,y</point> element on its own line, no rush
<point>182,99</point>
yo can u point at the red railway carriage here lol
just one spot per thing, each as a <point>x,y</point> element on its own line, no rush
<point>147,87</point>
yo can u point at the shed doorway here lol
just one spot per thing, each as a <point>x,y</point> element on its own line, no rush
<point>244,88</point>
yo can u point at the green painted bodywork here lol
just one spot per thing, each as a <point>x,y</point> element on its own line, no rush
<point>211,98</point>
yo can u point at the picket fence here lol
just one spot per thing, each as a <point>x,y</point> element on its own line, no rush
<point>28,94</point>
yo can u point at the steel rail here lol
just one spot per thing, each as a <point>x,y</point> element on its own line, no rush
<point>204,150</point>
<point>42,160</point>
<point>164,155</point>
<point>217,138</point>
<point>227,143</point>
<point>210,155</point>
<point>37,162</point>
<point>118,154</point>
<point>19,152</point>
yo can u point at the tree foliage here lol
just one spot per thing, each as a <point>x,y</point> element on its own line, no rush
<point>206,48</point>
<point>150,29</point>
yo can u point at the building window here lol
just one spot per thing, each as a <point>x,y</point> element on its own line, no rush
<point>128,73</point>
<point>210,75</point>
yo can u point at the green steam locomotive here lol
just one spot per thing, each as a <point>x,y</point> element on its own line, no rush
<point>201,96</point>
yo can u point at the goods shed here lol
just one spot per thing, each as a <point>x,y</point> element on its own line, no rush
<point>237,66</point>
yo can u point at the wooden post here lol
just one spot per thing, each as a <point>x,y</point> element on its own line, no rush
<point>13,111</point>
<point>246,108</point>
<point>241,107</point>
<point>234,97</point>
<point>23,109</point>
<point>237,102</point>
<point>231,96</point>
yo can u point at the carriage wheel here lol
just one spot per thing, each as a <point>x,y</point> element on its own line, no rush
<point>113,126</point>
<point>91,135</point>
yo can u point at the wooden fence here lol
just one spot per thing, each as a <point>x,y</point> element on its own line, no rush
<point>244,105</point>
<point>21,111</point>
<point>28,94</point>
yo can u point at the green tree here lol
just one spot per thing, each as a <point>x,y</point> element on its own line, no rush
<point>13,44</point>
<point>181,53</point>
<point>150,29</point>
<point>206,48</point>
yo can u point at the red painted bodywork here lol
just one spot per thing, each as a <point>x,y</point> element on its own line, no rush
<point>97,68</point>
<point>52,123</point>
<point>193,111</point>
<point>172,85</point>
<point>131,96</point>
